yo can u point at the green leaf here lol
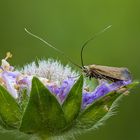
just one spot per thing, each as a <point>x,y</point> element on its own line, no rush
<point>72,104</point>
<point>23,99</point>
<point>10,113</point>
<point>43,113</point>
<point>91,84</point>
<point>96,111</point>
<point>133,84</point>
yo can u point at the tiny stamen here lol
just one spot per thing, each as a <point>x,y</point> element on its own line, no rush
<point>4,64</point>
<point>8,55</point>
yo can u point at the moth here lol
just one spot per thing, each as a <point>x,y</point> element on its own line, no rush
<point>94,71</point>
<point>108,73</point>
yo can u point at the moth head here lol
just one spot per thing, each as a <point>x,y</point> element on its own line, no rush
<point>86,70</point>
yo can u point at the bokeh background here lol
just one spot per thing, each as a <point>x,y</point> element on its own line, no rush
<point>67,24</point>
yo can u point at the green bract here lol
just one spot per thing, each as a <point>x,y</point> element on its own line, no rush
<point>44,117</point>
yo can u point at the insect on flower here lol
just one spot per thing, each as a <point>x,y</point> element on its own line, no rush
<point>46,101</point>
<point>97,71</point>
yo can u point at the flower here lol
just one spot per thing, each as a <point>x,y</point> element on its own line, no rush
<point>50,100</point>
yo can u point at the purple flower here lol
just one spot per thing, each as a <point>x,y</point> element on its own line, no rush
<point>62,91</point>
<point>88,97</point>
<point>101,90</point>
<point>59,83</point>
<point>10,82</point>
<point>11,79</point>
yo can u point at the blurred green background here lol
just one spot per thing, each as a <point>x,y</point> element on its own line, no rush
<point>67,24</point>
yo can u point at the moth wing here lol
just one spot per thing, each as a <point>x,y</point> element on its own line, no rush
<point>113,72</point>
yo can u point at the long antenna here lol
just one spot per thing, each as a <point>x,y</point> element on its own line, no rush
<point>51,46</point>
<point>90,39</point>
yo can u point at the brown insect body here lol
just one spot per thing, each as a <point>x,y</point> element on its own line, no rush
<point>107,73</point>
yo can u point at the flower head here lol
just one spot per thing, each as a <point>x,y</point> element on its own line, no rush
<point>53,89</point>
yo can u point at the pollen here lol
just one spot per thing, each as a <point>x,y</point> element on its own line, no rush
<point>122,90</point>
<point>17,87</point>
<point>87,89</point>
<point>2,82</point>
<point>126,93</point>
<point>106,108</point>
<point>1,70</point>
